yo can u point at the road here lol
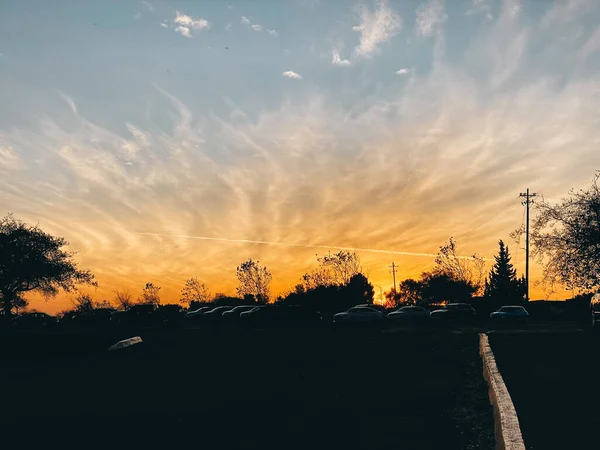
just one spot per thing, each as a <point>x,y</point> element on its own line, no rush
<point>254,390</point>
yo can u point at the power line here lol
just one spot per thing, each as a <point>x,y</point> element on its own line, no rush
<point>519,236</point>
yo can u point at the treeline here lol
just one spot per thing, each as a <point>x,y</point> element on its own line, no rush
<point>32,260</point>
<point>565,239</point>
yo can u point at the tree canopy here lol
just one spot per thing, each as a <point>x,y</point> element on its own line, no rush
<point>333,270</point>
<point>254,280</point>
<point>194,291</point>
<point>565,238</point>
<point>34,261</point>
<point>150,295</point>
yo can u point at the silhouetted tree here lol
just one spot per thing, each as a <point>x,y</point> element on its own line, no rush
<point>104,304</point>
<point>333,298</point>
<point>410,292</point>
<point>83,303</point>
<point>460,268</point>
<point>32,260</point>
<point>194,291</point>
<point>254,280</point>
<point>336,269</point>
<point>565,238</point>
<point>502,287</point>
<point>440,287</point>
<point>359,290</point>
<point>150,295</point>
<point>124,299</point>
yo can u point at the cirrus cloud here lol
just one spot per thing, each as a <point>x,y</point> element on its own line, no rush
<point>375,28</point>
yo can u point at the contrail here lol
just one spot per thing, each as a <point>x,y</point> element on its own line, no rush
<point>288,244</point>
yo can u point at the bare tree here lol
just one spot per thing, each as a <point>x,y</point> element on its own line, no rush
<point>460,268</point>
<point>150,295</point>
<point>124,299</point>
<point>566,239</point>
<point>254,280</point>
<point>193,290</point>
<point>336,269</point>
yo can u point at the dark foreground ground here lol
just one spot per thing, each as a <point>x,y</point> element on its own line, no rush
<point>254,390</point>
<point>554,381</point>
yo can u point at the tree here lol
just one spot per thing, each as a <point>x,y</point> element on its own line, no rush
<point>333,270</point>
<point>437,287</point>
<point>104,304</point>
<point>410,292</point>
<point>502,286</point>
<point>194,291</point>
<point>460,268</point>
<point>359,290</point>
<point>124,299</point>
<point>254,280</point>
<point>83,303</point>
<point>34,261</point>
<point>565,238</point>
<point>150,295</point>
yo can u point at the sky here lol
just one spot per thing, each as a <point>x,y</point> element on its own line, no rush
<point>282,130</point>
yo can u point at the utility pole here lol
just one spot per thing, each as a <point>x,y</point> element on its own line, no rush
<point>393,267</point>
<point>528,201</point>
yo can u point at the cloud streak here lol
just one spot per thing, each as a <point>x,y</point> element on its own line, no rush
<point>287,244</point>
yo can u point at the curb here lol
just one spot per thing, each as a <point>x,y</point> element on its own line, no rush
<point>126,343</point>
<point>507,431</point>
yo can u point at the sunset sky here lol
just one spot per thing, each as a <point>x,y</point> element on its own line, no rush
<point>388,125</point>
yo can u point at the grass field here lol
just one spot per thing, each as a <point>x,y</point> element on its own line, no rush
<point>552,378</point>
<point>254,390</point>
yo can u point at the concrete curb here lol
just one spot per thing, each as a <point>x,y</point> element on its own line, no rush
<point>126,343</point>
<point>506,423</point>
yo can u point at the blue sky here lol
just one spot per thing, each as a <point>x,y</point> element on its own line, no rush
<point>379,124</point>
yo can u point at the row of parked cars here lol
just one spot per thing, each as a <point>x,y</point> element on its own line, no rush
<point>456,312</point>
<point>263,315</point>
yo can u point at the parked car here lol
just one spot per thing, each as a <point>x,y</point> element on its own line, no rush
<point>214,315</point>
<point>457,312</point>
<point>197,313</point>
<point>233,315</point>
<point>379,308</point>
<point>34,320</point>
<point>359,315</point>
<point>510,314</point>
<point>409,314</point>
<point>595,309</point>
<point>280,316</point>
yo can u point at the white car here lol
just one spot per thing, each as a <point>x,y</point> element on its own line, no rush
<point>196,314</point>
<point>409,313</point>
<point>359,314</point>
